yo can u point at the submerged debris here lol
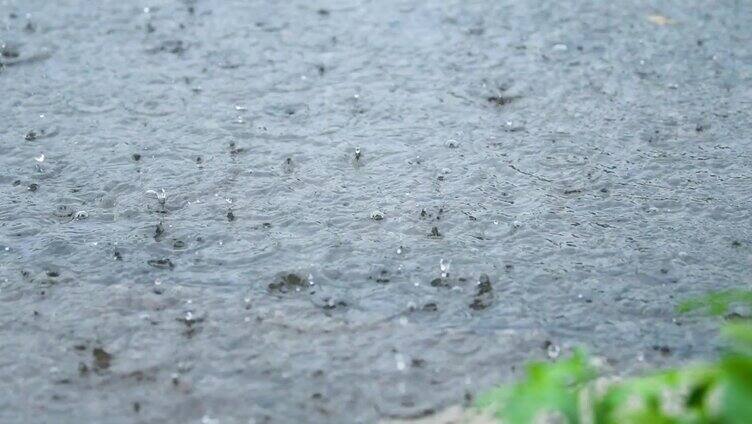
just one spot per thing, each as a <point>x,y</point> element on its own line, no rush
<point>381,277</point>
<point>288,283</point>
<point>234,150</point>
<point>484,294</point>
<point>287,166</point>
<point>163,263</point>
<point>102,359</point>
<point>159,231</point>
<point>9,51</point>
<point>177,47</point>
<point>430,307</point>
<point>501,100</point>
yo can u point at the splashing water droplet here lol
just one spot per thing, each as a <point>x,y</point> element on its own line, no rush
<point>444,266</point>
<point>553,351</point>
<point>81,215</point>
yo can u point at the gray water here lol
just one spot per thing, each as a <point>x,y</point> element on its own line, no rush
<point>588,166</point>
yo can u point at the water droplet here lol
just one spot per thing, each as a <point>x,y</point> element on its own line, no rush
<point>81,215</point>
<point>161,195</point>
<point>206,419</point>
<point>444,266</point>
<point>553,351</point>
<point>400,359</point>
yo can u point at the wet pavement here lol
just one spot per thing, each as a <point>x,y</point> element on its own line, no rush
<point>340,212</point>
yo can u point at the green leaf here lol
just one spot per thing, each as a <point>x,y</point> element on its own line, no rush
<point>717,303</point>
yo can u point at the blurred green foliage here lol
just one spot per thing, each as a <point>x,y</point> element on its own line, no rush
<point>718,303</point>
<point>571,391</point>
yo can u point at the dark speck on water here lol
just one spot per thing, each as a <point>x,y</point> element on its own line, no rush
<point>501,100</point>
<point>163,263</point>
<point>288,283</point>
<point>431,307</point>
<point>102,359</point>
<point>159,231</point>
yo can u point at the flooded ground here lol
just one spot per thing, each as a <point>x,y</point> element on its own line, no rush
<point>341,212</point>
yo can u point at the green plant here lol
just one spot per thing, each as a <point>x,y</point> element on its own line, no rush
<point>549,386</point>
<point>717,303</point>
<point>712,393</point>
